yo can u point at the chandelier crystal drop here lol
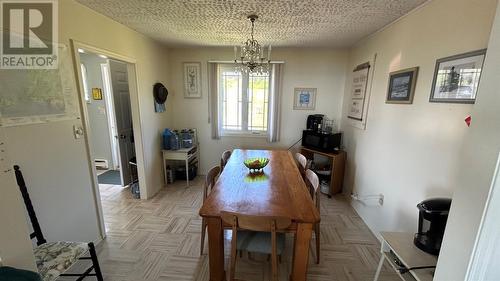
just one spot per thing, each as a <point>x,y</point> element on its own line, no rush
<point>251,55</point>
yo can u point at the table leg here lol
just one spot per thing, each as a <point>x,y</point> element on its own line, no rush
<point>216,249</point>
<point>187,171</point>
<point>301,251</point>
<point>164,170</point>
<point>379,268</point>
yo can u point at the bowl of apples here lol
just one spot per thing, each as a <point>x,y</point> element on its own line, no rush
<point>256,164</point>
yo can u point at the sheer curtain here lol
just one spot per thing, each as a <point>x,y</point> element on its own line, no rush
<point>213,80</point>
<point>274,119</point>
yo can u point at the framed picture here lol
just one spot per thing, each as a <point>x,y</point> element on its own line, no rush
<point>456,78</point>
<point>97,93</point>
<point>358,92</point>
<point>304,98</point>
<point>402,86</point>
<point>192,80</point>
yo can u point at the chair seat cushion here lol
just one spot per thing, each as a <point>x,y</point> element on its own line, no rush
<point>259,242</point>
<point>54,258</point>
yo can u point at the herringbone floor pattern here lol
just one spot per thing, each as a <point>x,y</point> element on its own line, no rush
<point>159,239</point>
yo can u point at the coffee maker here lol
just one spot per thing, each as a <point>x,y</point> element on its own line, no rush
<point>433,214</point>
<point>315,122</point>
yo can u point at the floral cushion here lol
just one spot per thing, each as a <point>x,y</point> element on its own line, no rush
<point>54,258</point>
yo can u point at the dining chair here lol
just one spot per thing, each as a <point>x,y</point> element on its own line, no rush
<point>313,180</point>
<point>302,161</point>
<point>54,258</point>
<point>207,187</point>
<point>225,157</point>
<point>258,234</point>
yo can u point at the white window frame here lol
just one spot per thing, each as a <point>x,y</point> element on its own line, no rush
<point>244,110</point>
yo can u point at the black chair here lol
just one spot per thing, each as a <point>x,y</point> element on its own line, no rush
<point>54,258</point>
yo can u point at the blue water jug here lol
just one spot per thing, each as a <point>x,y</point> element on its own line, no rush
<point>167,134</point>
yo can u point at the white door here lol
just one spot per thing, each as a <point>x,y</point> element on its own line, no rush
<point>484,261</point>
<point>123,113</point>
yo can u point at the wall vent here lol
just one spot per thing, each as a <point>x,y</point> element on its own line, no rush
<point>101,164</point>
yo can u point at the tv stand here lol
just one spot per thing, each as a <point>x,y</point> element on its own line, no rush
<point>337,159</point>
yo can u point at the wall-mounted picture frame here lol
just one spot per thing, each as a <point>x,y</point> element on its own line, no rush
<point>358,92</point>
<point>96,93</point>
<point>192,80</point>
<point>402,86</point>
<point>456,78</point>
<point>304,98</point>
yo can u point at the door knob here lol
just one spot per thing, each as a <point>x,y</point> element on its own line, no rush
<point>123,137</point>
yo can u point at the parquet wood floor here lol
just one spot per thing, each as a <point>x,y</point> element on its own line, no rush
<point>159,239</point>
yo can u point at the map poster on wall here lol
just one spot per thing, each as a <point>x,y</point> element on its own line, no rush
<point>358,92</point>
<point>31,96</point>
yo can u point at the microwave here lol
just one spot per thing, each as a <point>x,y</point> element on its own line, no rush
<point>321,141</point>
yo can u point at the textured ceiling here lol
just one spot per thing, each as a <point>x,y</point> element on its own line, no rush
<point>335,23</point>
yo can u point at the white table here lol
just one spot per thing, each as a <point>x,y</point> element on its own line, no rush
<point>187,155</point>
<point>399,246</point>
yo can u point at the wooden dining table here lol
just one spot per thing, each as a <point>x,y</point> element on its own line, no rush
<point>279,191</point>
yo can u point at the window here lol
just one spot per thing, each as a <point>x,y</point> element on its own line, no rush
<point>244,101</point>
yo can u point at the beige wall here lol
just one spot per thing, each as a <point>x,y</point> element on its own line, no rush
<point>477,163</point>
<point>317,68</point>
<point>55,164</point>
<point>411,152</point>
<point>15,244</point>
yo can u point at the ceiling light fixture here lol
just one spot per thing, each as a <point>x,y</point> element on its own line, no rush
<point>251,55</point>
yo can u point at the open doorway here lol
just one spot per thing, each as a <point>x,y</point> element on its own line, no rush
<point>107,100</point>
<point>108,90</point>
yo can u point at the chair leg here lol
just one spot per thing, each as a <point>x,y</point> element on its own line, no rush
<point>317,232</point>
<point>95,262</point>
<point>203,229</point>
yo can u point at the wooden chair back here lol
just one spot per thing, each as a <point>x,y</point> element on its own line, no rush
<point>255,223</point>
<point>302,161</point>
<point>313,181</point>
<point>225,157</point>
<point>210,181</point>
<point>37,231</point>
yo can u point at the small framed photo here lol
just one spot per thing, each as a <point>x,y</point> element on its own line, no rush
<point>456,78</point>
<point>304,98</point>
<point>96,93</point>
<point>402,86</point>
<point>192,80</point>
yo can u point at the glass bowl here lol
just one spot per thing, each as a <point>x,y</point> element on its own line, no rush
<point>256,164</point>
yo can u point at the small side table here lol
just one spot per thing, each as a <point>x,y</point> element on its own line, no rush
<point>337,159</point>
<point>398,249</point>
<point>187,155</point>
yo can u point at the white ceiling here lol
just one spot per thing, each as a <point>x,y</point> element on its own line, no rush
<point>334,23</point>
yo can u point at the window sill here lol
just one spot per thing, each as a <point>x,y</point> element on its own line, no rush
<point>244,135</point>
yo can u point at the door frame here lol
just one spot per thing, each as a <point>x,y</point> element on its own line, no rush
<point>110,107</point>
<point>136,120</point>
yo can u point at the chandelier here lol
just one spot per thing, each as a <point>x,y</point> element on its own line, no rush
<point>251,55</point>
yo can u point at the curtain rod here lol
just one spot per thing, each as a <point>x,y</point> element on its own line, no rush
<point>232,61</point>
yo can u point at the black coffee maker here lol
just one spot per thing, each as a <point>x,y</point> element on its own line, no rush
<point>433,214</point>
<point>314,122</point>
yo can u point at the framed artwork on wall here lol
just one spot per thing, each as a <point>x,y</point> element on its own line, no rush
<point>456,78</point>
<point>304,98</point>
<point>358,93</point>
<point>97,93</point>
<point>402,86</point>
<point>192,80</point>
